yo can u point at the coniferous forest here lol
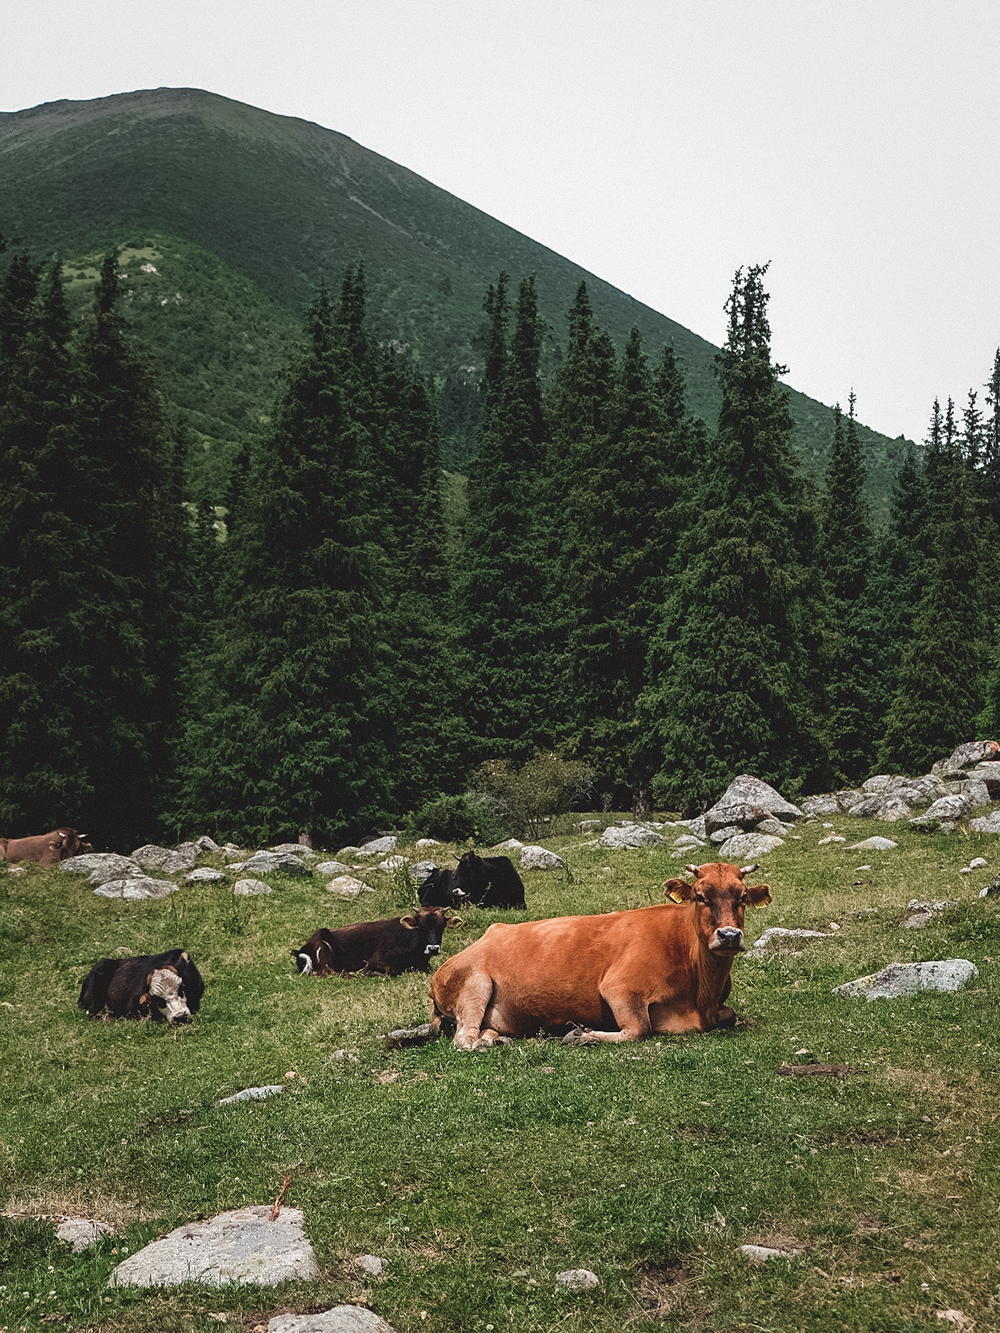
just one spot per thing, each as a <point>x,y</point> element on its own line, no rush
<point>329,647</point>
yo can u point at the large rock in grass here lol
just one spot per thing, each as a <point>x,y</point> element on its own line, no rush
<point>239,1246</point>
<point>265,863</point>
<point>136,888</point>
<point>152,857</point>
<point>539,858</point>
<point>749,846</point>
<point>749,800</point>
<point>630,836</point>
<point>987,823</point>
<point>900,980</point>
<point>966,756</point>
<point>338,1319</point>
<point>100,867</point>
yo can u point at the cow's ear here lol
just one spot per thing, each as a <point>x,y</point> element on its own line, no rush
<point>453,921</point>
<point>184,956</point>
<point>678,890</point>
<point>759,895</point>
<point>410,922</point>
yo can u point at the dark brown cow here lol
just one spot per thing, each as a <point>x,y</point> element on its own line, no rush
<point>46,849</point>
<point>400,944</point>
<point>622,976</point>
<point>166,987</point>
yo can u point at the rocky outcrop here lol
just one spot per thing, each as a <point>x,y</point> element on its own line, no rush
<point>902,979</point>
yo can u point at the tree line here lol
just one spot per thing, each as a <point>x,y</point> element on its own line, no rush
<point>668,604</point>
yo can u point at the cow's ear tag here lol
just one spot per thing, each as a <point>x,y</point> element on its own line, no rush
<point>678,890</point>
<point>410,922</point>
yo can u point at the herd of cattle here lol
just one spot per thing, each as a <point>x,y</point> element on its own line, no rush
<point>617,976</point>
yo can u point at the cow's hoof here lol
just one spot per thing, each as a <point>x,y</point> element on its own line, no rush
<point>580,1037</point>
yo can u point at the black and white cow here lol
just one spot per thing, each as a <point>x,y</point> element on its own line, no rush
<point>166,987</point>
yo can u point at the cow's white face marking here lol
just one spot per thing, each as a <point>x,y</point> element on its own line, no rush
<point>165,984</point>
<point>307,964</point>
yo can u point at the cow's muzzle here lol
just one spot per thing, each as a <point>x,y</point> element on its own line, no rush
<point>727,939</point>
<point>432,949</point>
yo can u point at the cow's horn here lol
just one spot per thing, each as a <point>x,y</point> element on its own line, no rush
<point>692,870</point>
<point>307,964</point>
<point>748,870</point>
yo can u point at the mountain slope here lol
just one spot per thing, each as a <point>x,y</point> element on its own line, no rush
<point>242,213</point>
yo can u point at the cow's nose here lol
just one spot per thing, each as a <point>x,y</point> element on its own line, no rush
<point>183,1018</point>
<point>729,937</point>
<point>432,948</point>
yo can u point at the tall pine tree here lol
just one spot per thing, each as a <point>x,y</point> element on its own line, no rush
<point>727,665</point>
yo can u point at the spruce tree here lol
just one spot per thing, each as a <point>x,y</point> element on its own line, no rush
<point>127,505</point>
<point>727,664</point>
<point>942,675</point>
<point>17,292</point>
<point>43,552</point>
<point>506,579</point>
<point>289,729</point>
<point>854,722</point>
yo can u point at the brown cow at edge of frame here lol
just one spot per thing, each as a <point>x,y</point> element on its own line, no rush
<point>622,976</point>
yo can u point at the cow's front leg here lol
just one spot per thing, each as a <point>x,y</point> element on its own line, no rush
<point>477,991</point>
<point>630,1012</point>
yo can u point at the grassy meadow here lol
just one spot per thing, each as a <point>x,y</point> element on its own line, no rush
<point>479,1177</point>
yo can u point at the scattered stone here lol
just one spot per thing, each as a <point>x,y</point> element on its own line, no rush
<point>99,867</point>
<point>136,887</point>
<point>805,1071</point>
<point>429,842</point>
<point>294,848</point>
<point>348,853</point>
<point>976,792</point>
<point>774,826</point>
<point>689,840</point>
<point>338,1319</point>
<point>748,790</point>
<point>963,1323</point>
<point>864,867</point>
<point>820,805</point>
<point>876,784</point>
<point>378,846</point>
<point>630,837</point>
<point>206,844</point>
<point>537,858</point>
<point>16,870</point>
<point>204,875</point>
<point>511,844</point>
<point>847,798</point>
<point>949,807</point>
<point>393,863</point>
<point>266,863</point>
<point>967,756</point>
<point>372,1264</point>
<point>979,863</point>
<point>151,857</point>
<point>780,932</point>
<point>332,868</point>
<point>720,835</point>
<point>577,1279</point>
<point>252,1094</point>
<point>921,913</point>
<point>983,824</point>
<point>834,837</point>
<point>748,846</point>
<point>875,844</point>
<point>247,888</point>
<point>232,853</point>
<point>759,1254</point>
<point>419,870</point>
<point>587,826</point>
<point>349,1056</point>
<point>743,815</point>
<point>899,980</point>
<point>239,1246</point>
<point>81,1233</point>
<point>348,887</point>
<point>890,806</point>
<point>400,1038</point>
<point>991,890</point>
<point>695,826</point>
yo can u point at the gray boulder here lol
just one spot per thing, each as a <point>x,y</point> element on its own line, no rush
<point>920,913</point>
<point>720,835</point>
<point>249,888</point>
<point>151,857</point>
<point>780,932</point>
<point>252,1094</point>
<point>987,823</point>
<point>332,868</point>
<point>847,798</point>
<point>239,1246</point>
<point>949,807</point>
<point>372,1264</point>
<point>833,837</point>
<point>875,844</point>
<point>379,846</point>
<point>889,805</point>
<point>265,863</point>
<point>295,848</point>
<point>744,816</point>
<point>967,756</point>
<point>880,782</point>
<point>748,846</point>
<point>538,858</point>
<point>136,887</point>
<point>587,826</point>
<point>204,875</point>
<point>348,887</point>
<point>899,980</point>
<point>577,1279</point>
<point>976,790</point>
<point>988,772</point>
<point>748,790</point>
<point>820,805</point>
<point>630,837</point>
<point>419,870</point>
<point>206,844</point>
<point>688,840</point>
<point>81,1233</point>
<point>101,866</point>
<point>338,1319</point>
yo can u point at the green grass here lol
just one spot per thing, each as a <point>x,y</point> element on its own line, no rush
<point>479,1177</point>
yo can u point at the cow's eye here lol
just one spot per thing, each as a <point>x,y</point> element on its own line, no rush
<point>699,898</point>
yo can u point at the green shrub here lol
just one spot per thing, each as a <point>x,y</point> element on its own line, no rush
<point>474,815</point>
<point>542,788</point>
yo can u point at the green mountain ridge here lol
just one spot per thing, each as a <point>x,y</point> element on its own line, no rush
<point>242,213</point>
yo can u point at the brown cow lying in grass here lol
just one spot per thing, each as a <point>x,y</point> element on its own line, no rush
<point>621,976</point>
<point>166,987</point>
<point>45,849</point>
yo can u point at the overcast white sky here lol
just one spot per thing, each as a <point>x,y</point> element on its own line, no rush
<point>659,143</point>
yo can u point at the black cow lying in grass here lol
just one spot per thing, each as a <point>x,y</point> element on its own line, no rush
<point>166,987</point>
<point>400,944</point>
<point>487,881</point>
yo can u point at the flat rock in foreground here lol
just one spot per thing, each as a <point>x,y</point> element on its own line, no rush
<point>240,1246</point>
<point>341,1319</point>
<point>902,979</point>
